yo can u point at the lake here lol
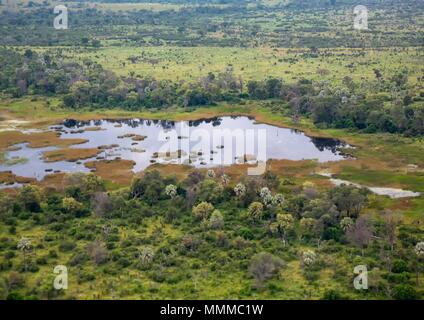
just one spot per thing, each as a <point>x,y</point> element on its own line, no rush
<point>203,143</point>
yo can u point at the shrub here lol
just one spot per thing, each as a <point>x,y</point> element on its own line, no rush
<point>246,233</point>
<point>202,211</point>
<point>332,294</point>
<point>404,292</point>
<point>72,206</point>
<point>263,266</point>
<point>67,246</point>
<point>30,197</point>
<point>400,266</point>
<point>216,220</point>
<point>255,211</point>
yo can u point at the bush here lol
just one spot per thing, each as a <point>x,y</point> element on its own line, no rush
<point>30,197</point>
<point>246,233</point>
<point>202,211</point>
<point>400,266</point>
<point>263,266</point>
<point>404,292</point>
<point>255,211</point>
<point>41,261</point>
<point>67,246</point>
<point>332,294</point>
<point>15,296</point>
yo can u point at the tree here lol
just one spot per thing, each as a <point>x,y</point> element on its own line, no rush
<point>273,87</point>
<point>102,204</point>
<point>263,266</point>
<point>296,205</point>
<point>30,197</point>
<point>278,200</point>
<point>324,110</point>
<point>203,210</point>
<point>194,178</point>
<point>98,252</point>
<point>346,223</point>
<point>255,211</point>
<point>146,255</point>
<point>256,90</point>
<point>6,205</point>
<point>307,226</point>
<point>24,245</point>
<point>309,258</point>
<point>390,226</point>
<point>360,234</point>
<point>240,190</point>
<point>400,79</point>
<point>419,251</point>
<point>283,225</point>
<point>211,174</point>
<point>92,184</point>
<point>148,187</point>
<point>119,199</point>
<point>171,191</point>
<point>210,191</point>
<point>69,101</point>
<point>72,206</point>
<point>225,179</point>
<point>216,220</point>
<point>348,199</point>
<point>266,196</point>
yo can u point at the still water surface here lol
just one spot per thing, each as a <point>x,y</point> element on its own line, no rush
<point>280,143</point>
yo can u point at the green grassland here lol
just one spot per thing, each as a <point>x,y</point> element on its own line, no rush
<point>176,63</point>
<point>291,65</point>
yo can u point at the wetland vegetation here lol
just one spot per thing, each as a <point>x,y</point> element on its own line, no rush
<point>85,184</point>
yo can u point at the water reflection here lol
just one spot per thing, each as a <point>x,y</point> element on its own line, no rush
<point>143,142</point>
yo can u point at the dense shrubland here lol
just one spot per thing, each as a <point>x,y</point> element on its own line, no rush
<point>166,231</point>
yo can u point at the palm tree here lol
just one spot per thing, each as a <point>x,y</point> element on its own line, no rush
<point>25,246</point>
<point>146,255</point>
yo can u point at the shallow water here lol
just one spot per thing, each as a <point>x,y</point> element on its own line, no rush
<point>195,139</point>
<point>393,193</point>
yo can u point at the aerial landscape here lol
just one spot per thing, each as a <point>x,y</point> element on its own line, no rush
<point>216,149</point>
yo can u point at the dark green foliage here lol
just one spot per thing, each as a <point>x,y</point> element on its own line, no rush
<point>400,266</point>
<point>332,295</point>
<point>404,292</point>
<point>149,187</point>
